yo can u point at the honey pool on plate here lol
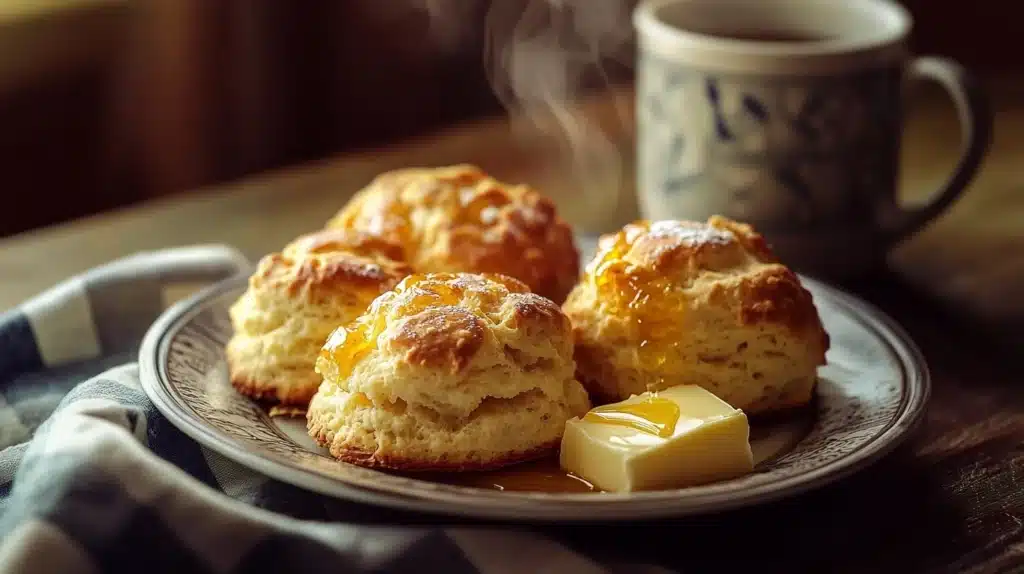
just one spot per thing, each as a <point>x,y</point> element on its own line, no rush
<point>769,440</point>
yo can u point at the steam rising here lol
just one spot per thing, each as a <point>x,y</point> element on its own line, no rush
<point>447,19</point>
<point>541,57</point>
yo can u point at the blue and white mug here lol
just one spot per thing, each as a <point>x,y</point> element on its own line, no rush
<point>788,115</point>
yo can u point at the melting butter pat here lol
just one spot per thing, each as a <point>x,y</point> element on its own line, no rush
<point>681,436</point>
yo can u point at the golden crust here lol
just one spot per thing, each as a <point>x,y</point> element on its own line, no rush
<point>375,459</point>
<point>441,337</point>
<point>327,260</point>
<point>774,295</point>
<point>672,247</point>
<point>314,276</point>
<point>294,300</point>
<point>459,219</point>
<point>450,371</point>
<point>365,245</point>
<point>294,389</point>
<point>440,320</point>
<point>672,302</point>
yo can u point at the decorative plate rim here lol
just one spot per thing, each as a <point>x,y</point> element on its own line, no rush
<point>916,384</point>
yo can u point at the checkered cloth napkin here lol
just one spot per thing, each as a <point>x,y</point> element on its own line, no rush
<point>94,479</point>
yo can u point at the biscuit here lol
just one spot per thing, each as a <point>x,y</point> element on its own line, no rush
<point>680,302</point>
<point>459,219</point>
<point>450,372</point>
<point>294,300</point>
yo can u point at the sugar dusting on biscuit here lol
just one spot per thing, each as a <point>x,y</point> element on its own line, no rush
<point>676,302</point>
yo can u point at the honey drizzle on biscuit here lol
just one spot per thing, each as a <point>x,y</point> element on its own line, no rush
<point>652,415</point>
<point>637,292</point>
<point>352,343</point>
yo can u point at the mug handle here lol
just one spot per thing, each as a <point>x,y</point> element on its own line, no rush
<point>975,115</point>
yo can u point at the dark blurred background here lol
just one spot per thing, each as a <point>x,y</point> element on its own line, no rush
<point>105,103</point>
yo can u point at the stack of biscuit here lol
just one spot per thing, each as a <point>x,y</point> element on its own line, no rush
<point>439,321</point>
<point>469,364</point>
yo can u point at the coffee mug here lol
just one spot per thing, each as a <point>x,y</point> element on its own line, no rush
<point>788,115</point>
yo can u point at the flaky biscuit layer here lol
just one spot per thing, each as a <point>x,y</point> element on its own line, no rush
<point>448,371</point>
<point>294,300</point>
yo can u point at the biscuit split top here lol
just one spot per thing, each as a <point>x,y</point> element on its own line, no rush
<point>459,219</point>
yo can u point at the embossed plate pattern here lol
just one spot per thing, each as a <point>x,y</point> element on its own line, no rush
<point>872,393</point>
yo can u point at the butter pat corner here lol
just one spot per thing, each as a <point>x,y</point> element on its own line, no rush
<point>708,442</point>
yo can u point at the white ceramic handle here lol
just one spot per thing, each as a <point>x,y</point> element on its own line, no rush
<point>175,265</point>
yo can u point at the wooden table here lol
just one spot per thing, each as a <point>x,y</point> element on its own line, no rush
<point>952,499</point>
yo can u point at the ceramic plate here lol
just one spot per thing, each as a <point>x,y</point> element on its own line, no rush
<point>871,394</point>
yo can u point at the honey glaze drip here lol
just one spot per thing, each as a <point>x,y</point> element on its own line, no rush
<point>537,476</point>
<point>652,415</point>
<point>436,296</point>
<point>642,294</point>
<point>350,344</point>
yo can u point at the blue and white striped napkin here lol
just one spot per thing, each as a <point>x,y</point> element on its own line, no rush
<point>94,479</point>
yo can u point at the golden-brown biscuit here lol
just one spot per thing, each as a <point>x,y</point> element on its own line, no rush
<point>458,219</point>
<point>295,299</point>
<point>678,302</point>
<point>448,371</point>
